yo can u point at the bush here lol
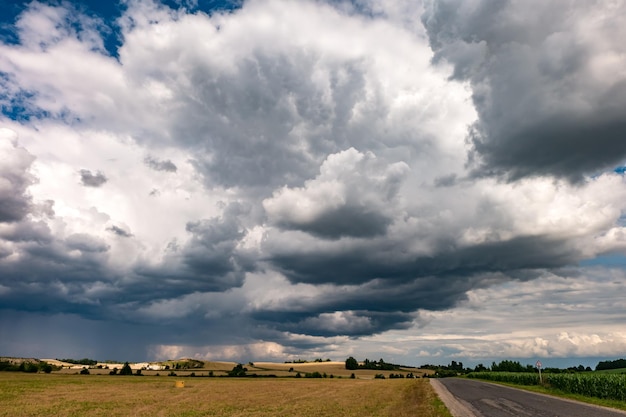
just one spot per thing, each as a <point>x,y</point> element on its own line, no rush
<point>84,371</point>
<point>45,367</point>
<point>29,367</point>
<point>126,369</point>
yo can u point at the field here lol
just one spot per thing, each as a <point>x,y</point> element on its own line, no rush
<point>613,371</point>
<point>99,395</point>
<point>336,369</point>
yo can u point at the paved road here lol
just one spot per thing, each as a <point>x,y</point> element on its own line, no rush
<point>471,398</point>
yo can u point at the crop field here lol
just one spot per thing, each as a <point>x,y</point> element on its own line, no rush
<point>609,386</point>
<point>105,395</point>
<point>613,371</point>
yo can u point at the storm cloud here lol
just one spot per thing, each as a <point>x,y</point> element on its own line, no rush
<point>14,178</point>
<point>546,82</point>
<point>310,178</point>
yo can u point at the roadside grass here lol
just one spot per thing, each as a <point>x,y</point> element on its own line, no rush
<point>98,395</point>
<point>620,405</point>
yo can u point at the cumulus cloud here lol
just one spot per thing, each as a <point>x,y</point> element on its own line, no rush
<point>351,197</point>
<point>15,177</point>
<point>547,82</point>
<point>322,192</point>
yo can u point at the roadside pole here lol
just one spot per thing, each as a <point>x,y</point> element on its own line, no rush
<point>538,365</point>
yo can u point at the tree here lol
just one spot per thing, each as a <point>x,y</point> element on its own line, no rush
<point>507,366</point>
<point>45,367</point>
<point>126,369</point>
<point>352,364</point>
<point>480,368</point>
<point>238,370</point>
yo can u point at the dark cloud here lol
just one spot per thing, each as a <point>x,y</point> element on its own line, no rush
<point>344,221</point>
<point>89,179</point>
<point>344,323</point>
<point>210,261</point>
<point>375,290</point>
<point>15,178</point>
<point>254,123</point>
<point>13,208</point>
<point>119,231</point>
<point>86,243</point>
<point>547,99</point>
<point>360,264</point>
<point>28,231</point>
<point>158,165</point>
<point>351,197</point>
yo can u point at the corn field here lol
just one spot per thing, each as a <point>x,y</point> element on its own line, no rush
<point>605,386</point>
<point>519,378</point>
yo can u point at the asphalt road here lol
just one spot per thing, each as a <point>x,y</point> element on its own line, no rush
<point>471,398</point>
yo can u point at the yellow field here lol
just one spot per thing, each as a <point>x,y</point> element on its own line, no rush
<point>336,369</point>
<point>97,395</point>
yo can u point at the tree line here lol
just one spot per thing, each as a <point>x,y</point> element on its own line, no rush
<point>352,364</point>
<point>616,364</point>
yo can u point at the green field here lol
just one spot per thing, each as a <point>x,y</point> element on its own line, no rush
<point>104,395</point>
<point>613,371</point>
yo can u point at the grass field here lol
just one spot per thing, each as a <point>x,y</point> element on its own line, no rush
<point>98,395</point>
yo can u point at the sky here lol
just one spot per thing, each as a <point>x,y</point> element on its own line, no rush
<point>419,181</point>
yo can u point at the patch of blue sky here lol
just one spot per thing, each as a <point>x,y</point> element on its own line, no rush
<point>20,105</point>
<point>16,105</point>
<point>9,11</point>
<point>106,12</point>
<point>614,260</point>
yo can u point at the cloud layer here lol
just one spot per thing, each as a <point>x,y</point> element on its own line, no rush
<point>301,177</point>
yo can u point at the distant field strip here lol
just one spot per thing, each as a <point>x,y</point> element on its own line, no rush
<point>99,395</point>
<point>599,385</point>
